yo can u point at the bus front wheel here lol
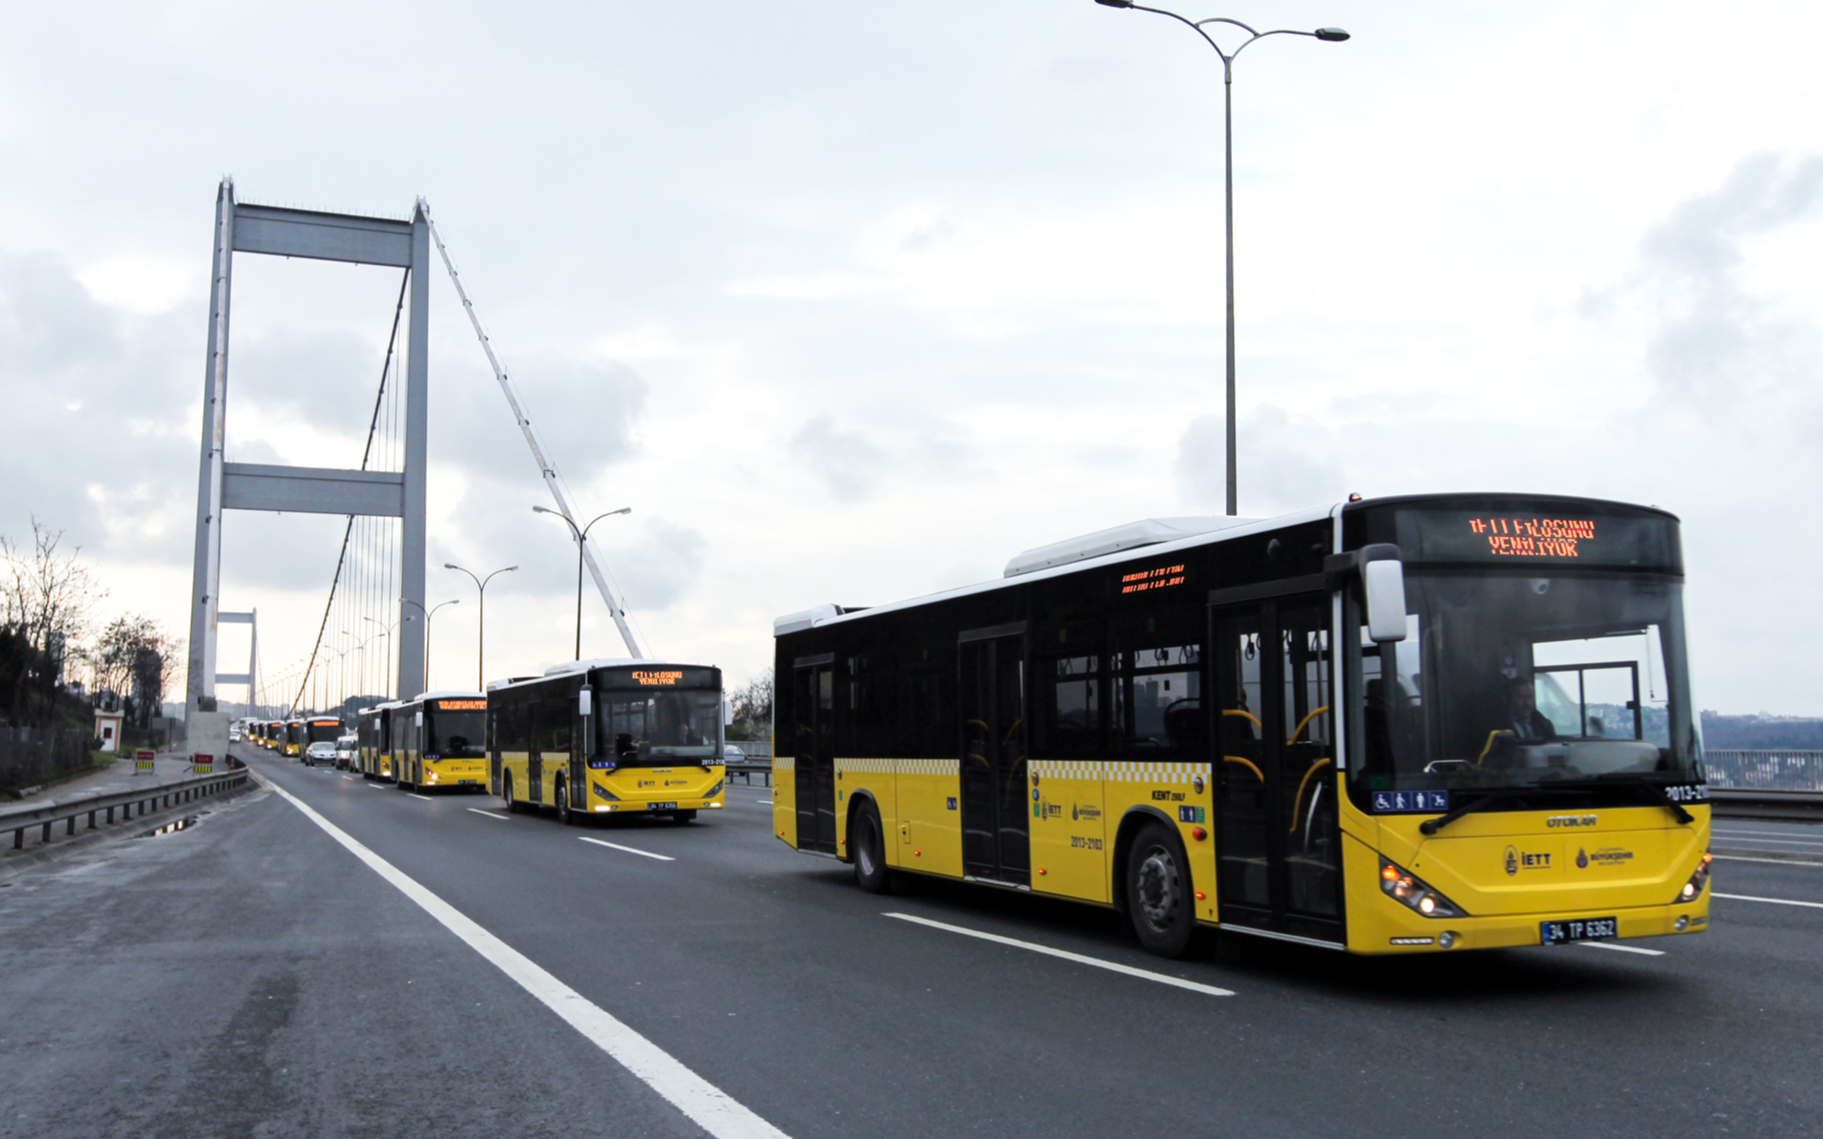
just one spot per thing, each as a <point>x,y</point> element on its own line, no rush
<point>564,815</point>
<point>506,792</point>
<point>1158,892</point>
<point>869,850</point>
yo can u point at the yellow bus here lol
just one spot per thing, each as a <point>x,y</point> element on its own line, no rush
<point>1400,725</point>
<point>441,740</point>
<point>374,735</point>
<point>296,738</point>
<point>607,737</point>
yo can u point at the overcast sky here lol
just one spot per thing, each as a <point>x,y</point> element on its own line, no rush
<point>851,301</point>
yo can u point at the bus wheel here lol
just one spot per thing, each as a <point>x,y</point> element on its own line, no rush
<point>506,792</point>
<point>682,817</point>
<point>564,815</point>
<point>1158,892</point>
<point>869,851</point>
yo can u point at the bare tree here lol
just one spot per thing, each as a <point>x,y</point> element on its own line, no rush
<point>135,658</point>
<point>753,707</point>
<point>45,601</point>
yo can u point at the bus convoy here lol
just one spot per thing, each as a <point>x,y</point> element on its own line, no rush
<point>1391,726</point>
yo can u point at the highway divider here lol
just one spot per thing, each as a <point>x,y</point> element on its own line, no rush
<point>128,804</point>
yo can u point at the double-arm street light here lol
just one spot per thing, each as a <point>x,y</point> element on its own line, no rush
<point>481,619</point>
<point>387,631</point>
<point>1329,35</point>
<point>428,614</point>
<point>582,536</point>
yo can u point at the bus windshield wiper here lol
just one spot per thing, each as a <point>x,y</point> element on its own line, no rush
<point>1432,826</point>
<point>1653,793</point>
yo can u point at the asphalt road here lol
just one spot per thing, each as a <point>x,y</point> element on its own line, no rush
<point>250,975</point>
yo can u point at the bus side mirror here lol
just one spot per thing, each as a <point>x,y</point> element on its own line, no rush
<point>727,713</point>
<point>417,719</point>
<point>585,702</point>
<point>1384,584</point>
<point>585,707</point>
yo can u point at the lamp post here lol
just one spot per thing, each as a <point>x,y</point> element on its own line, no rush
<point>481,619</point>
<point>387,631</point>
<point>582,536</point>
<point>1328,35</point>
<point>428,614</point>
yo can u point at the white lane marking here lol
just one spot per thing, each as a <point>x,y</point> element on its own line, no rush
<point>1814,832</point>
<point>1111,966</point>
<point>491,815</point>
<point>1621,948</point>
<point>377,786</point>
<point>1768,861</point>
<point>712,1109</point>
<point>426,798</point>
<point>630,850</point>
<point>1765,841</point>
<point>1774,901</point>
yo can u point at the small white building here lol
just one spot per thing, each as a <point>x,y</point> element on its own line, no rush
<point>107,728</point>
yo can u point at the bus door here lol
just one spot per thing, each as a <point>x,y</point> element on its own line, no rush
<point>1278,843</point>
<point>539,714</point>
<point>996,828</point>
<point>813,713</point>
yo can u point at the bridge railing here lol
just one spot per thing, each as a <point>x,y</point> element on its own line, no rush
<point>1786,770</point>
<point>129,804</point>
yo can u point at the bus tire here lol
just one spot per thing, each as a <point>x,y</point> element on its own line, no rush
<point>506,792</point>
<point>682,817</point>
<point>565,816</point>
<point>1158,892</point>
<point>871,873</point>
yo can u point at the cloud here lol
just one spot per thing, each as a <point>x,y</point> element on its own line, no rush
<point>1714,340</point>
<point>1282,463</point>
<point>846,460</point>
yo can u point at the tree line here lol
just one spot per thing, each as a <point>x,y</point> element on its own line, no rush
<point>57,664</point>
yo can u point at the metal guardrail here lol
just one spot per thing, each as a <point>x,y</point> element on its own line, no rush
<point>1783,770</point>
<point>748,770</point>
<point>138,801</point>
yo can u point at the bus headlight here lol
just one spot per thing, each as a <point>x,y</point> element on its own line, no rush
<point>1694,887</point>
<point>1402,885</point>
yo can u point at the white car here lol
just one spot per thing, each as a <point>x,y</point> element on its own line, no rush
<point>732,754</point>
<point>322,751</point>
<point>345,752</point>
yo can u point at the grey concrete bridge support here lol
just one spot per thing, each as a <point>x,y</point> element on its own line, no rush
<point>224,486</point>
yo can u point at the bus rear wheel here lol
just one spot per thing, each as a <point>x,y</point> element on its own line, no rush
<point>1158,892</point>
<point>870,851</point>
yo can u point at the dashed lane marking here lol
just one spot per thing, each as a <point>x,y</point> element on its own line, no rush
<point>1773,901</point>
<point>1768,861</point>
<point>490,814</point>
<point>1080,959</point>
<point>630,849</point>
<point>1622,948</point>
<point>426,798</point>
<point>712,1109</point>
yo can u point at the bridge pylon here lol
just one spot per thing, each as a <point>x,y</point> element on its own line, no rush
<point>243,227</point>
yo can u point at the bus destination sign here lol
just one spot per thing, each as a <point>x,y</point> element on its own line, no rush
<point>1510,537</point>
<point>462,705</point>
<point>651,679</point>
<point>1158,577</point>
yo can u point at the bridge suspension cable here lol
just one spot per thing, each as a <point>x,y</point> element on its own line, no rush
<point>547,469</point>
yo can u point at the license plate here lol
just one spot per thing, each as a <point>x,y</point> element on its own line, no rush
<point>1578,929</point>
<point>671,806</point>
<point>468,781</point>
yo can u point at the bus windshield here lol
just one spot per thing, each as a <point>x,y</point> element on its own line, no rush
<point>646,728</point>
<point>1511,681</point>
<point>455,734</point>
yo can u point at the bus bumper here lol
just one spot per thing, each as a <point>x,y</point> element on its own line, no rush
<point>1508,931</point>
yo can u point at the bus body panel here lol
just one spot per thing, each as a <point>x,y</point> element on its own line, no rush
<point>874,779</point>
<point>1071,840</point>
<point>784,799</point>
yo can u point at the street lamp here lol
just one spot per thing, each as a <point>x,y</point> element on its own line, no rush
<point>1328,35</point>
<point>428,614</point>
<point>582,536</point>
<point>481,620</point>
<point>387,633</point>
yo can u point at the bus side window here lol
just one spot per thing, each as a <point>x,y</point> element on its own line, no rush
<point>1068,725</point>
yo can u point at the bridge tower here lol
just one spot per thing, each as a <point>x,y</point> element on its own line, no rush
<point>224,486</point>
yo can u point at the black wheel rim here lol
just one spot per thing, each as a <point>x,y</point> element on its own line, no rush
<point>1157,888</point>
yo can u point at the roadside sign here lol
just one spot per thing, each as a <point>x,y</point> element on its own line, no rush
<point>142,760</point>
<point>202,764</point>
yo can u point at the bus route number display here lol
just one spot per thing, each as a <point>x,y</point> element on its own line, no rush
<point>1147,580</point>
<point>1509,537</point>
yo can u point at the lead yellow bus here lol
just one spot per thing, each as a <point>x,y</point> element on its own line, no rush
<point>1401,725</point>
<point>610,737</point>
